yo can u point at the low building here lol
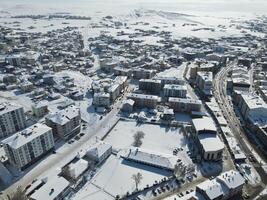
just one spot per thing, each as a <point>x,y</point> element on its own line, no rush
<point>205,134</point>
<point>150,85</point>
<point>184,105</point>
<point>211,190</point>
<point>228,185</point>
<point>172,90</point>
<point>56,188</point>
<point>233,181</point>
<point>142,156</point>
<point>142,100</point>
<point>40,109</point>
<point>27,146</point>
<point>65,123</point>
<point>101,99</point>
<point>99,151</point>
<point>77,168</point>
<point>12,119</point>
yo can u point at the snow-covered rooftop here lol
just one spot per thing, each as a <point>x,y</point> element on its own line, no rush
<point>151,158</point>
<point>51,189</point>
<point>64,116</point>
<point>98,149</point>
<point>212,188</point>
<point>204,124</point>
<point>23,137</point>
<point>6,107</point>
<point>210,142</point>
<point>231,179</point>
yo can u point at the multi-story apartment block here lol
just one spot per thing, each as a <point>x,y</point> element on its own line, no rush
<point>143,73</point>
<point>204,82</point>
<point>142,100</point>
<point>150,85</point>
<point>28,145</point>
<point>65,123</point>
<point>172,90</point>
<point>114,91</point>
<point>101,99</point>
<point>12,119</point>
<point>184,105</point>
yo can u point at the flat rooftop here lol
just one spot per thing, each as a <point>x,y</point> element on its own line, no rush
<point>6,107</point>
<point>23,137</point>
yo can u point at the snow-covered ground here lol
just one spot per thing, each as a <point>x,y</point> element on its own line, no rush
<point>157,138</point>
<point>114,178</point>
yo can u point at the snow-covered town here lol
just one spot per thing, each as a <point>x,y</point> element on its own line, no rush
<point>133,101</point>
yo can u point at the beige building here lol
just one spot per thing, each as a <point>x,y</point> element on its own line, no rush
<point>65,123</point>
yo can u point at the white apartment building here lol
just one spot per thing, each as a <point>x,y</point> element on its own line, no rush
<point>65,123</point>
<point>12,119</point>
<point>28,145</point>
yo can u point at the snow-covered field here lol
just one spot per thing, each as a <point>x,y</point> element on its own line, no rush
<point>114,178</point>
<point>157,138</point>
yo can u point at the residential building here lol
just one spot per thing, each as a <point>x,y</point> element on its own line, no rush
<point>184,105</point>
<point>128,106</point>
<point>12,119</point>
<point>101,99</point>
<point>28,145</point>
<point>143,73</point>
<point>172,90</point>
<point>228,185</point>
<point>204,82</point>
<point>150,85</point>
<point>40,109</point>
<point>114,91</point>
<point>65,123</point>
<point>122,81</point>
<point>99,151</point>
<point>142,100</point>
<point>56,188</point>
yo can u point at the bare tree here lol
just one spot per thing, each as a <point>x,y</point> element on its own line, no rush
<point>19,194</point>
<point>137,179</point>
<point>138,138</point>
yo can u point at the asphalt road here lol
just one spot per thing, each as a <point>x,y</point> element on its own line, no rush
<point>233,122</point>
<point>54,162</point>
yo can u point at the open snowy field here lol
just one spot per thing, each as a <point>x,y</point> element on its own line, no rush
<point>114,178</point>
<point>157,138</point>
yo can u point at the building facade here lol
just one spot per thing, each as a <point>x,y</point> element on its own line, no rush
<point>25,147</point>
<point>12,119</point>
<point>172,90</point>
<point>65,123</point>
